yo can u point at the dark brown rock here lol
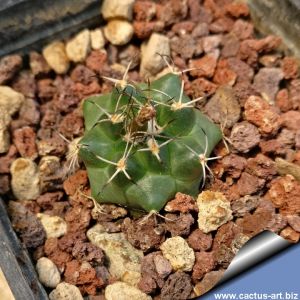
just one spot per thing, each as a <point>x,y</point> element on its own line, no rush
<point>27,225</point>
<point>177,287</point>
<point>9,66</point>
<point>244,136</point>
<point>199,240</point>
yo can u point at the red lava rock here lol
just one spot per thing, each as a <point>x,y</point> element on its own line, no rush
<point>231,45</point>
<point>75,181</point>
<point>233,165</point>
<point>96,60</point>
<point>172,11</point>
<point>200,30</point>
<point>199,240</point>
<point>208,282</point>
<point>47,200</point>
<point>202,87</point>
<point>291,235</point>
<point>53,145</point>
<point>184,46</point>
<point>223,255</point>
<point>66,99</point>
<point>147,284</point>
<point>179,225</point>
<point>182,203</point>
<point>284,193</point>
<point>261,166</point>
<point>287,138</point>
<point>46,89</point>
<point>266,82</point>
<point>220,25</point>
<point>29,113</point>
<point>78,218</point>
<point>67,242</point>
<point>243,71</point>
<point>250,48</point>
<point>212,42</point>
<point>82,274</point>
<point>144,234</point>
<point>278,223</point>
<point>150,279</point>
<point>294,222</point>
<point>290,67</point>
<point>82,90</point>
<point>144,10</point>
<point>244,136</point>
<point>24,139</point>
<point>226,234</point>
<point>26,224</point>
<point>204,66</point>
<point>223,107</point>
<point>204,263</point>
<point>9,66</point>
<point>183,27</point>
<point>83,75</point>
<point>4,184</point>
<point>25,84</point>
<point>224,76</point>
<point>71,125</point>
<point>283,101</point>
<point>38,64</point>
<point>237,9</point>
<point>255,223</point>
<point>143,29</point>
<point>162,266</point>
<point>249,184</point>
<point>84,251</point>
<point>244,205</point>
<point>294,93</point>
<point>177,287</point>
<point>291,120</point>
<point>271,146</point>
<point>7,159</point>
<point>262,114</point>
<point>242,29</point>
<point>230,191</point>
<point>54,253</point>
<point>198,12</point>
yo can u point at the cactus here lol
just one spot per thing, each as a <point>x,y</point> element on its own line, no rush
<point>145,142</point>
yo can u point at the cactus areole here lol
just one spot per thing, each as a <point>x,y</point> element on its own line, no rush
<point>145,142</point>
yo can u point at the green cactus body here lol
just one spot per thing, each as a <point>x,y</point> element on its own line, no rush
<point>157,150</point>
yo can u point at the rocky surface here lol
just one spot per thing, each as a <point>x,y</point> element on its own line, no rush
<point>249,87</point>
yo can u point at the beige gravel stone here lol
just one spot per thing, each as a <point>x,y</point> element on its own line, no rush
<point>214,211</point>
<point>25,179</point>
<point>118,32</point>
<point>78,47</point>
<point>66,291</point>
<point>97,39</point>
<point>56,57</point>
<point>121,290</point>
<point>178,252</point>
<point>124,259</point>
<point>10,100</point>
<point>151,62</point>
<point>48,273</point>
<point>54,226</point>
<point>117,9</point>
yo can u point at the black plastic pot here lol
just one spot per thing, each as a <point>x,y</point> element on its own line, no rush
<point>30,24</point>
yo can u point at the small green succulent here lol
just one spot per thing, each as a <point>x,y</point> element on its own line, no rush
<point>145,142</point>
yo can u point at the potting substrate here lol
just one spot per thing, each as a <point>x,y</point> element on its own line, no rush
<point>247,83</point>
